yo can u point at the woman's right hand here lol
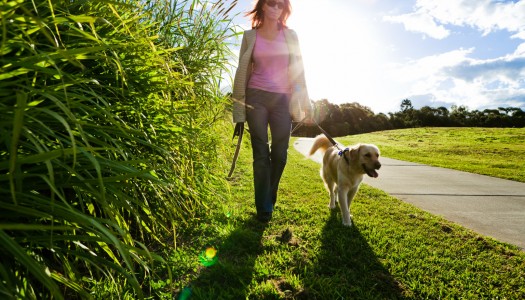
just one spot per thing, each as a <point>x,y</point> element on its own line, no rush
<point>239,127</point>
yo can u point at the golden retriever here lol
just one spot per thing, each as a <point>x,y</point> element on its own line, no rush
<point>342,171</point>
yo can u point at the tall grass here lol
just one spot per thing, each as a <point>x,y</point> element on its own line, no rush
<point>104,147</point>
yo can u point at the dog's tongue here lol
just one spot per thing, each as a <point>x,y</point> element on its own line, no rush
<point>372,173</point>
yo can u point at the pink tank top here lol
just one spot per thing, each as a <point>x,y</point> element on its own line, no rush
<point>271,58</point>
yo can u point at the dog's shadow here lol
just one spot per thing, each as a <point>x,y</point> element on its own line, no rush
<point>346,260</point>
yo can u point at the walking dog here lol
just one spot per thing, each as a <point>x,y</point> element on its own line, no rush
<point>342,171</point>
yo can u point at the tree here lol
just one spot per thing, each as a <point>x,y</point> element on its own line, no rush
<point>406,105</point>
<point>459,114</point>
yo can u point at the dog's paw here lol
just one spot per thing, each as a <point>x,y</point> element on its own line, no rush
<point>347,221</point>
<point>332,206</point>
<point>347,224</point>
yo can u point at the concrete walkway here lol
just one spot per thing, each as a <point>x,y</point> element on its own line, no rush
<point>490,206</point>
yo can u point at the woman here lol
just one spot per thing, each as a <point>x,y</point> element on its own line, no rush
<point>269,89</point>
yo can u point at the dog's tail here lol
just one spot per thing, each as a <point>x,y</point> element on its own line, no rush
<point>322,143</point>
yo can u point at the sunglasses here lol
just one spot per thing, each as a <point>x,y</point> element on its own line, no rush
<point>280,5</point>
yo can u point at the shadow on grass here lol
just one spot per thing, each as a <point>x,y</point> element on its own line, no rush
<point>347,267</point>
<point>232,275</point>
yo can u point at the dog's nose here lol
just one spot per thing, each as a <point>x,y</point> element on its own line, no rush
<point>378,165</point>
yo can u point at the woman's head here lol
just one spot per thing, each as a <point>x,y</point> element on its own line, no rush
<point>269,8</point>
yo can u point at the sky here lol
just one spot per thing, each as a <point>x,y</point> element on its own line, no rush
<point>435,53</point>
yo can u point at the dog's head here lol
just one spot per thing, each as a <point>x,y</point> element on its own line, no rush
<point>366,156</point>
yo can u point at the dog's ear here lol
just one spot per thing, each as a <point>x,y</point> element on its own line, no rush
<point>354,152</point>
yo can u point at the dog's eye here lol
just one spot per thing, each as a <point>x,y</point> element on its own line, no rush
<point>368,155</point>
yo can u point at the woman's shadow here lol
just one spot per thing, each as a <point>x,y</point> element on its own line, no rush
<point>230,277</point>
<point>348,264</point>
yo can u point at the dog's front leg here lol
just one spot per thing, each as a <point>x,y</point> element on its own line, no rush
<point>333,196</point>
<point>343,193</point>
<point>350,197</point>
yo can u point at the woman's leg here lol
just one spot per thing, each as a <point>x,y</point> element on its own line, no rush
<point>265,108</point>
<point>257,115</point>
<point>280,128</point>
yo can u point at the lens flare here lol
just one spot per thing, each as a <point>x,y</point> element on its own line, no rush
<point>208,257</point>
<point>321,111</point>
<point>211,252</point>
<point>185,294</point>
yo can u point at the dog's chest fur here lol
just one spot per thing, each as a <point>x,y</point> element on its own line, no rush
<point>340,170</point>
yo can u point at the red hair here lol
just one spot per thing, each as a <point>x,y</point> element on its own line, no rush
<point>257,14</point>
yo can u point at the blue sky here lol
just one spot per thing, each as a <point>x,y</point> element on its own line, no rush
<point>436,53</point>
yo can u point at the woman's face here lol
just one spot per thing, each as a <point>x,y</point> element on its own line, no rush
<point>273,9</point>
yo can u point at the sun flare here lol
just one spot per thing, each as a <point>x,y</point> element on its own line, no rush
<point>341,50</point>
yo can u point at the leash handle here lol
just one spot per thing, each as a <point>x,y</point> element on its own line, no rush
<point>238,131</point>
<point>239,127</point>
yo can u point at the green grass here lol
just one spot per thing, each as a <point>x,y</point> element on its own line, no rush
<point>494,152</point>
<point>393,251</point>
<point>105,146</point>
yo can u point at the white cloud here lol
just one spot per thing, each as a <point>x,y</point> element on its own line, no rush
<point>420,22</point>
<point>520,51</point>
<point>430,16</point>
<point>455,78</point>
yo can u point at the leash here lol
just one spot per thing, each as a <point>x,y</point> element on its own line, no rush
<point>327,136</point>
<point>334,143</point>
<point>239,132</point>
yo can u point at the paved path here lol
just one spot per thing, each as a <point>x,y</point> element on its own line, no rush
<point>490,206</point>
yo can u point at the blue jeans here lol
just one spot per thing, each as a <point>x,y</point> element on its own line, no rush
<point>263,109</point>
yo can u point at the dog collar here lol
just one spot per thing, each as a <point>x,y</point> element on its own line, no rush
<point>342,153</point>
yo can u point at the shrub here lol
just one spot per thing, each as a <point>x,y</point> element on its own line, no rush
<point>104,138</point>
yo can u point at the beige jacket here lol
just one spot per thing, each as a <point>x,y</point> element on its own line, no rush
<point>300,105</point>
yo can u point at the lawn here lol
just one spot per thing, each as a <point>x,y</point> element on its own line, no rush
<point>393,251</point>
<point>494,152</point>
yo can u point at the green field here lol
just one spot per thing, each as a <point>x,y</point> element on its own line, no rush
<point>393,251</point>
<point>495,152</point>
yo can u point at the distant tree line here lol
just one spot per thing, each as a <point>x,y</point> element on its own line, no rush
<point>354,118</point>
